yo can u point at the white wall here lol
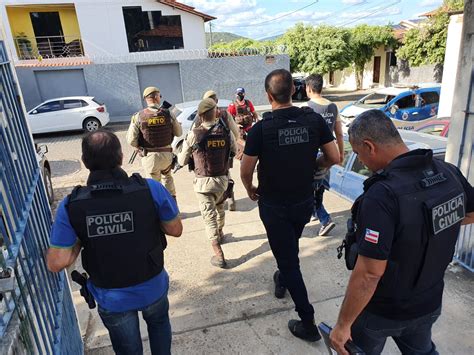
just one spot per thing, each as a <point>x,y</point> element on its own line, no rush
<point>450,67</point>
<point>102,25</point>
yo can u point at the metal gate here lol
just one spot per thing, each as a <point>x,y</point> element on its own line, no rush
<point>36,309</point>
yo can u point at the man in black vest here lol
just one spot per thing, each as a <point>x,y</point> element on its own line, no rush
<point>120,223</point>
<point>406,226</point>
<point>286,140</point>
<point>328,110</point>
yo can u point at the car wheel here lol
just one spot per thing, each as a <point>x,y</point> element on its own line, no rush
<point>91,124</point>
<point>48,185</point>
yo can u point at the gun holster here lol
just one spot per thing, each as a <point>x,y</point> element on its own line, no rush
<point>349,246</point>
<point>81,279</point>
<point>191,165</point>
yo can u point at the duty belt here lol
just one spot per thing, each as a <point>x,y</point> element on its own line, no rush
<point>160,150</point>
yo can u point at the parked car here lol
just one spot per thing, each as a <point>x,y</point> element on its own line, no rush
<point>439,127</point>
<point>185,114</point>
<point>68,113</point>
<point>408,107</point>
<point>347,179</point>
<point>300,89</point>
<point>43,162</point>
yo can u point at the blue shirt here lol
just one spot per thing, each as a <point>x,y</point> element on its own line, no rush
<point>127,298</point>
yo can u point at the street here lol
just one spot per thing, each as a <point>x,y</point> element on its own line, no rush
<point>233,310</point>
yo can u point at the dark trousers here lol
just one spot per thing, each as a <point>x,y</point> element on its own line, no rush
<point>124,329</point>
<point>284,225</point>
<point>413,337</point>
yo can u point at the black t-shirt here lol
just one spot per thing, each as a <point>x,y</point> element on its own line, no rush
<point>377,225</point>
<point>288,170</point>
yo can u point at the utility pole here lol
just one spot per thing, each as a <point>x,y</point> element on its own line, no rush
<point>210,30</point>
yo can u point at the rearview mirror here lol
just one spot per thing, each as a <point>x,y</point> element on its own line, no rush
<point>393,109</point>
<point>42,149</point>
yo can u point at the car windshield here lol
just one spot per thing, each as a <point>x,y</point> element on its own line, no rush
<point>375,100</point>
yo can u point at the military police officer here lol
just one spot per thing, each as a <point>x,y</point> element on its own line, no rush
<point>119,222</point>
<point>152,130</point>
<point>211,145</point>
<point>287,138</point>
<point>406,225</point>
<point>229,120</point>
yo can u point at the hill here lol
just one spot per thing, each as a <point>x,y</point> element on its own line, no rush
<point>221,37</point>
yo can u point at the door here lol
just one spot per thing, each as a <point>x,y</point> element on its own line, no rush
<point>352,185</point>
<point>376,78</point>
<point>404,108</point>
<point>53,84</point>
<point>46,117</point>
<point>164,76</point>
<point>429,101</point>
<point>73,113</point>
<point>48,33</point>
<point>338,171</point>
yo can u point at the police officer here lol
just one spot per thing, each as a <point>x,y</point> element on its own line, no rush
<point>287,138</point>
<point>229,120</point>
<point>329,111</point>
<point>152,130</point>
<point>120,223</point>
<point>210,145</point>
<point>242,110</point>
<point>406,225</point>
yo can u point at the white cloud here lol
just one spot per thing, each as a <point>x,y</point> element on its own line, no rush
<point>430,3</point>
<point>217,8</point>
<point>372,13</point>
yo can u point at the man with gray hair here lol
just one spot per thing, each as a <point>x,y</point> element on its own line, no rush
<point>405,228</point>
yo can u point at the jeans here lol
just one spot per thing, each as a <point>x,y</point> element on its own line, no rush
<point>319,186</point>
<point>284,225</point>
<point>124,328</point>
<point>413,337</point>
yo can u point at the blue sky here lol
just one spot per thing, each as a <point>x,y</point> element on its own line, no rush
<point>263,18</point>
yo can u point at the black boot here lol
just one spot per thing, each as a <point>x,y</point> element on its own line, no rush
<point>280,290</point>
<point>306,330</point>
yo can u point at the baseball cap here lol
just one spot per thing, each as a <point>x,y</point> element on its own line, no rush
<point>240,90</point>
<point>206,105</point>
<point>149,90</point>
<point>209,93</point>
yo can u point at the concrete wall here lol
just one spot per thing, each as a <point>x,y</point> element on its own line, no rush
<point>453,45</point>
<point>404,74</point>
<point>117,85</point>
<point>102,25</point>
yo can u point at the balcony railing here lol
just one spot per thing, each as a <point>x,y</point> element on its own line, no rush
<point>48,47</point>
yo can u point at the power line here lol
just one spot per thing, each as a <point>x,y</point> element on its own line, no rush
<point>263,23</point>
<point>369,14</point>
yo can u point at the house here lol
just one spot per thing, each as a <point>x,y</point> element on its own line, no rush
<point>42,29</point>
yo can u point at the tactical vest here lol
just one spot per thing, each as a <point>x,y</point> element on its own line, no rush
<point>212,150</point>
<point>243,115</point>
<point>431,204</point>
<point>289,147</point>
<point>156,129</point>
<point>328,112</point>
<point>117,223</point>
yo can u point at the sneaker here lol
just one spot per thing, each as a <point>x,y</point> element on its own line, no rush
<point>280,290</point>
<point>326,228</point>
<point>308,332</point>
<point>314,218</point>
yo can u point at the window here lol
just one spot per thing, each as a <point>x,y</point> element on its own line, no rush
<point>377,99</point>
<point>430,97</point>
<point>347,153</point>
<point>152,31</point>
<point>192,116</point>
<point>406,102</point>
<point>49,107</point>
<point>71,104</point>
<point>360,168</point>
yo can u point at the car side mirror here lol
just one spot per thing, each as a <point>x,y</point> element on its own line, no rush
<point>34,112</point>
<point>393,109</point>
<point>42,149</point>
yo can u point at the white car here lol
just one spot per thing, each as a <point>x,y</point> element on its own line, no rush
<point>68,113</point>
<point>186,113</point>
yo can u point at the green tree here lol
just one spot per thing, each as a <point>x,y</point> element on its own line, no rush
<point>427,44</point>
<point>243,46</point>
<point>364,40</point>
<point>317,49</point>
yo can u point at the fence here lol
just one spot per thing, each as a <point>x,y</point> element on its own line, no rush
<point>48,47</point>
<point>40,301</point>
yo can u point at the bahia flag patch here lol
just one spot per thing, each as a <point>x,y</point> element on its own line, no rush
<point>371,236</point>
